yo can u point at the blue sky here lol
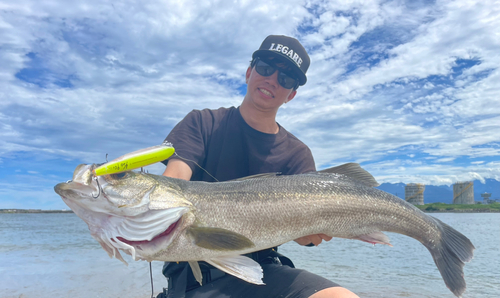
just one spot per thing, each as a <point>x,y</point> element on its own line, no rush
<point>409,89</point>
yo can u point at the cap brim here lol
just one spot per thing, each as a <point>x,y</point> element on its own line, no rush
<point>296,70</point>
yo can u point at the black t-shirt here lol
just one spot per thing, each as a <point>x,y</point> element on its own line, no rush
<point>222,142</point>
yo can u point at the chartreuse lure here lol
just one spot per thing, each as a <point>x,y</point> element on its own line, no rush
<point>136,159</point>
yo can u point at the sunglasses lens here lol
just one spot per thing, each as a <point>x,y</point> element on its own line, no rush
<point>266,70</point>
<point>286,81</point>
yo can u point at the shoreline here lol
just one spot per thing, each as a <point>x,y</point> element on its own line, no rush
<point>463,211</point>
<point>459,208</point>
<point>34,211</point>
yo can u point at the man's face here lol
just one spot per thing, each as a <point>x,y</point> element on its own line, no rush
<point>265,92</point>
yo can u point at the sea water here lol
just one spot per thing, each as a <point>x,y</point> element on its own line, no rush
<point>53,255</point>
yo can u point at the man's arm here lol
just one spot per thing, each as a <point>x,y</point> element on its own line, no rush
<point>177,168</point>
<point>188,138</point>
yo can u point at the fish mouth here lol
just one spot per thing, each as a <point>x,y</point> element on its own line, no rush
<point>156,238</point>
<point>82,184</point>
<point>71,186</point>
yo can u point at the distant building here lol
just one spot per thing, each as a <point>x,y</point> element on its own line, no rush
<point>414,193</point>
<point>486,198</point>
<point>463,193</point>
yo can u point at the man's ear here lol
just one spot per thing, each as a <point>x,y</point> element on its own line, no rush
<point>291,96</point>
<point>247,75</point>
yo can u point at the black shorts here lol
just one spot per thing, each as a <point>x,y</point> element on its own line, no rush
<point>281,281</point>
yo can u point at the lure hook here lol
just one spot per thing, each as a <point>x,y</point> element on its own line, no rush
<point>98,187</point>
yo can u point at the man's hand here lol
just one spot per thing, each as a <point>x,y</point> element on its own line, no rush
<point>314,239</point>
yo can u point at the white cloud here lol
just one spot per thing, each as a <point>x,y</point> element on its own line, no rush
<point>395,171</point>
<point>409,89</point>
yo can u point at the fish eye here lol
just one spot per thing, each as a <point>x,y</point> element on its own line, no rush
<point>119,175</point>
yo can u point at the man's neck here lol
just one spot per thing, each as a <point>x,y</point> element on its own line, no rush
<point>263,121</point>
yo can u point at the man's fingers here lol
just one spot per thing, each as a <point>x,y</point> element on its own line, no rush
<point>303,240</point>
<point>325,237</point>
<point>314,239</point>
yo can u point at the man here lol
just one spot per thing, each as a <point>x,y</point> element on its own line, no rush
<point>230,143</point>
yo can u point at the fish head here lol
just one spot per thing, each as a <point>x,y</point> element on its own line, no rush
<point>118,210</point>
<point>125,193</point>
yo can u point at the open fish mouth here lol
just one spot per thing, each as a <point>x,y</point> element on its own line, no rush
<point>65,189</point>
<point>81,186</point>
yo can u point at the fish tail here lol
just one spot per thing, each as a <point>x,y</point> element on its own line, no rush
<point>450,256</point>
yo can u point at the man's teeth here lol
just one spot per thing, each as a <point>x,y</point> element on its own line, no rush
<point>266,92</point>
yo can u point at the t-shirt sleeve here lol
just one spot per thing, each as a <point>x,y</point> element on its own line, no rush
<point>189,138</point>
<point>303,161</point>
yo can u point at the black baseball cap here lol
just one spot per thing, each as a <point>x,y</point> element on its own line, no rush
<point>288,48</point>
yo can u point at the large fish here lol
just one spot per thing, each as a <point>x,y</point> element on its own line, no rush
<point>154,217</point>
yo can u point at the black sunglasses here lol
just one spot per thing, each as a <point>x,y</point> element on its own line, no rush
<point>266,69</point>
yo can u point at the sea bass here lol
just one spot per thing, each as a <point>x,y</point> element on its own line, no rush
<point>153,217</point>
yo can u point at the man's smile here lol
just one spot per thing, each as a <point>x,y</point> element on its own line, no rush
<point>266,92</point>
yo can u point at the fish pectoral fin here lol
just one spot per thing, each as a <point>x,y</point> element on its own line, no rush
<point>240,266</point>
<point>195,267</point>
<point>219,239</point>
<point>374,238</point>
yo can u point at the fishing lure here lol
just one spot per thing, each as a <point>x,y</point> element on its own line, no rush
<point>136,159</point>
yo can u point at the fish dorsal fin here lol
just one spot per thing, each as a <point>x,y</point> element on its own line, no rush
<point>263,175</point>
<point>219,239</point>
<point>354,171</point>
<point>241,267</point>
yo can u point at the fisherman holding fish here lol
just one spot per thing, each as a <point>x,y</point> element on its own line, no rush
<point>230,143</point>
<point>220,232</point>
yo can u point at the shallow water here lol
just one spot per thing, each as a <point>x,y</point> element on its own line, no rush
<point>53,255</point>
